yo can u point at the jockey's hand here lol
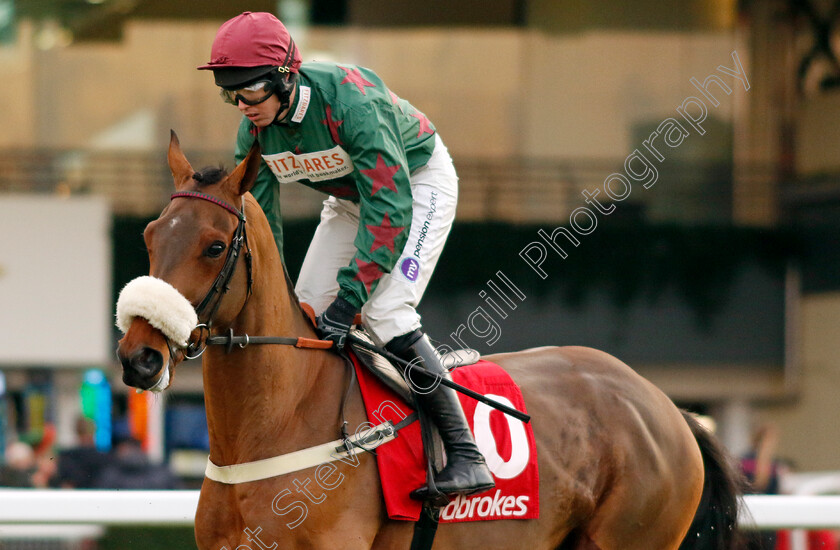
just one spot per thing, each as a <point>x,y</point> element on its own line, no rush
<point>334,324</point>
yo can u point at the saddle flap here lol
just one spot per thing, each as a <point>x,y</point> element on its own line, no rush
<point>380,367</point>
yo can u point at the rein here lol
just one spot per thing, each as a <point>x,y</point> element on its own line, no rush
<point>230,339</point>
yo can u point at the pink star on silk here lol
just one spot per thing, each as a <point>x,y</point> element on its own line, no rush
<point>382,175</point>
<point>395,99</point>
<point>333,125</point>
<point>368,273</point>
<point>355,77</point>
<point>424,124</point>
<point>384,234</point>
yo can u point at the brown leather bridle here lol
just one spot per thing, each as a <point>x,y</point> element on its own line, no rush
<point>208,306</point>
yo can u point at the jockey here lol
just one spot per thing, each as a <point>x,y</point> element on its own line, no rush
<point>392,194</point>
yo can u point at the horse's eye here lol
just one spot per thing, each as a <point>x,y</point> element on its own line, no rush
<point>215,250</point>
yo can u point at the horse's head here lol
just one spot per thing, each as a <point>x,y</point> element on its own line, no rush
<point>197,278</point>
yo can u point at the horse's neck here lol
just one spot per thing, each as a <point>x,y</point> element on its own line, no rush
<point>262,401</point>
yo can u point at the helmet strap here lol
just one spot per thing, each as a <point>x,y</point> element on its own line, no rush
<point>284,92</point>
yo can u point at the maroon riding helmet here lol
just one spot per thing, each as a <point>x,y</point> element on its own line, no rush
<point>252,47</point>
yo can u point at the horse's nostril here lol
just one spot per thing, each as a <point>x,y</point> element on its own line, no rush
<point>124,361</point>
<point>147,362</point>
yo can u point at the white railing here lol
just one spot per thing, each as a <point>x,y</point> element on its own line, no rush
<point>100,507</point>
<point>792,512</point>
<point>20,506</point>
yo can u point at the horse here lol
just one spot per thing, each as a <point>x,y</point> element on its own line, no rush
<point>620,466</point>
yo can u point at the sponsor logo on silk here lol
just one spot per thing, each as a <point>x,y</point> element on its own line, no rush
<point>318,166</point>
<point>305,94</point>
<point>410,268</point>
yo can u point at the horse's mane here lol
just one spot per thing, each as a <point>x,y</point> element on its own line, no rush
<point>293,295</point>
<point>210,175</point>
<point>290,285</point>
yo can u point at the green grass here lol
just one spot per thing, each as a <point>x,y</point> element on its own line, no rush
<point>148,538</point>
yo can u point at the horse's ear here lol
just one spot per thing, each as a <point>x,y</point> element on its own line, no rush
<point>243,176</point>
<point>182,172</point>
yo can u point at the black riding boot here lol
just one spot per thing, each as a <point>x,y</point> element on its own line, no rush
<point>466,471</point>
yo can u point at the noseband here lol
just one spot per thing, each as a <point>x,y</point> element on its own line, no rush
<point>208,306</point>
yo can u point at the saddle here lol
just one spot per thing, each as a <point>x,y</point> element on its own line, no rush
<point>391,376</point>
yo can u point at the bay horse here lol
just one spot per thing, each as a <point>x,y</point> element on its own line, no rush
<point>620,466</point>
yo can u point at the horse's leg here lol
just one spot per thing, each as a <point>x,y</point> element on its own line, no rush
<point>216,523</point>
<point>617,526</point>
<point>649,508</point>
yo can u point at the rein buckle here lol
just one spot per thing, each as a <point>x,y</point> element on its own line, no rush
<point>194,351</point>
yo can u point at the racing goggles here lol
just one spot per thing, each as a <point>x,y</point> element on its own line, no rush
<point>251,95</point>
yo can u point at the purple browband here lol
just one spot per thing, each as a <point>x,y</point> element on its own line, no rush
<point>215,200</point>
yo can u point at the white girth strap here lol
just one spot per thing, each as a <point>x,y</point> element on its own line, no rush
<point>300,460</point>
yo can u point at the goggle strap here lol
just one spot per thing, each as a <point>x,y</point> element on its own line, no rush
<point>290,52</point>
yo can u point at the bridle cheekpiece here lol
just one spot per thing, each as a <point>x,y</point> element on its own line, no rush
<point>208,306</point>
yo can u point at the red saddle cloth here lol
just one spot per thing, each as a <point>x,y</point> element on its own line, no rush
<point>507,444</point>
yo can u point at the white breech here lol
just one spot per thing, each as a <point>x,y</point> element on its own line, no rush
<point>391,309</point>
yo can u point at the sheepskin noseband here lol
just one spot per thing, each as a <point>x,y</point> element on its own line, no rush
<point>161,305</point>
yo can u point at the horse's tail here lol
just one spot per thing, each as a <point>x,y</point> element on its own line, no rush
<point>715,524</point>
